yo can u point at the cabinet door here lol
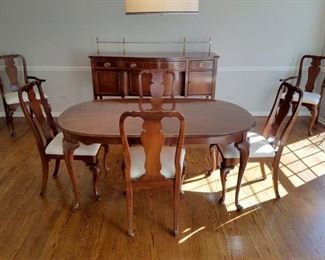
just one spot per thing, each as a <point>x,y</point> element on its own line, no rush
<point>107,82</point>
<point>200,83</point>
<point>146,81</point>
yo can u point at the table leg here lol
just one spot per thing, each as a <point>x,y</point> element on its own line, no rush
<point>68,149</point>
<point>243,148</point>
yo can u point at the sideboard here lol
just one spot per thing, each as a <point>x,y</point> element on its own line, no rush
<point>116,74</point>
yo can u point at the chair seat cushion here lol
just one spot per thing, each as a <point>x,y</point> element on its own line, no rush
<point>259,147</point>
<point>55,148</point>
<point>12,97</point>
<point>167,158</point>
<point>308,98</point>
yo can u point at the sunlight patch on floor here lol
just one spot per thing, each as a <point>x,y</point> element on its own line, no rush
<point>182,240</point>
<point>301,162</point>
<point>304,161</point>
<point>254,190</point>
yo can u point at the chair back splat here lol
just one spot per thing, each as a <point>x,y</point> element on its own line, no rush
<point>38,115</point>
<point>11,70</point>
<point>276,127</point>
<point>152,140</point>
<point>313,71</point>
<point>162,87</point>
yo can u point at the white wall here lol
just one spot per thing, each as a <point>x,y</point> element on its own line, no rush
<point>259,41</point>
<point>2,26</point>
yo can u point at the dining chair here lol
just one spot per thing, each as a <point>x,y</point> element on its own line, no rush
<point>49,139</point>
<point>268,146</point>
<point>311,99</point>
<point>16,75</point>
<point>153,164</point>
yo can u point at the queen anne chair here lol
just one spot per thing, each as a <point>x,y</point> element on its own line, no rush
<point>311,100</point>
<point>153,164</point>
<point>267,147</point>
<point>16,80</point>
<point>49,139</point>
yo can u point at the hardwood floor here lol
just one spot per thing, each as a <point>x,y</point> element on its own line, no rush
<point>32,227</point>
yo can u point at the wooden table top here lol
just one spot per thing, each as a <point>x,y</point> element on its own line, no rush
<point>204,119</point>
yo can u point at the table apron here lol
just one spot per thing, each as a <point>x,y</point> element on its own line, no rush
<point>224,139</point>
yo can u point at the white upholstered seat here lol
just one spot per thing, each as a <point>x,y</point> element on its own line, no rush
<point>55,148</point>
<point>308,98</point>
<point>259,147</point>
<point>12,97</point>
<point>167,158</point>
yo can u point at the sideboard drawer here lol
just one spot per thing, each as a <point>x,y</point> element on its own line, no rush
<point>106,64</point>
<point>201,64</point>
<point>153,65</point>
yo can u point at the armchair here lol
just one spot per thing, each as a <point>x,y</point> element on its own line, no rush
<point>311,100</point>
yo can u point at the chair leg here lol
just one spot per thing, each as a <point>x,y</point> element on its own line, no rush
<point>94,168</point>
<point>106,150</point>
<point>56,169</point>
<point>262,166</point>
<point>129,199</point>
<point>314,115</point>
<point>10,121</point>
<point>223,176</point>
<point>45,175</point>
<point>183,177</point>
<point>275,177</point>
<point>318,112</point>
<point>177,196</point>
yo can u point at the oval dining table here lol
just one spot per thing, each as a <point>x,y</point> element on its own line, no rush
<point>207,122</point>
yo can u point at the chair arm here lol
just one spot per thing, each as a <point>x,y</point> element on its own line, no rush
<point>289,78</point>
<point>36,78</point>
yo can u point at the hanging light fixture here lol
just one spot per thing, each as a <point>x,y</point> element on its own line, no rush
<point>161,6</point>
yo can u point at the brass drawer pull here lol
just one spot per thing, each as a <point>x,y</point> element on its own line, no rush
<point>107,64</point>
<point>133,65</point>
<point>201,65</point>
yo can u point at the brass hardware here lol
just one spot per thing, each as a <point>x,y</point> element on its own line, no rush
<point>107,64</point>
<point>133,65</point>
<point>124,43</point>
<point>201,65</point>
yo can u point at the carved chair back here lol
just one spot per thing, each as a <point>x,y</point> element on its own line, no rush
<point>38,115</point>
<point>13,64</point>
<point>313,71</point>
<point>277,128</point>
<point>152,139</point>
<point>158,89</point>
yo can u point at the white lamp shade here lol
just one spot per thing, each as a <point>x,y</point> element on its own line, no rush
<point>161,6</point>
